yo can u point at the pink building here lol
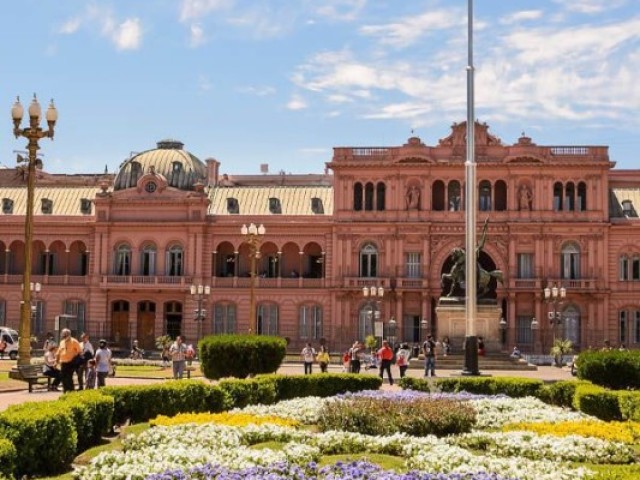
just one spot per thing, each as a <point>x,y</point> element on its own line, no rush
<point>120,253</point>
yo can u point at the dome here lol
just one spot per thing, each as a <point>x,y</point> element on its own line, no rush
<point>180,168</point>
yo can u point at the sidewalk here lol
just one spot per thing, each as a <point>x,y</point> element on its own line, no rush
<point>548,374</point>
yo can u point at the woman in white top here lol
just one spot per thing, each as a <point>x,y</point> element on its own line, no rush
<point>50,369</point>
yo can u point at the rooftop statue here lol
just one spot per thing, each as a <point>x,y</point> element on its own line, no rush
<point>457,273</point>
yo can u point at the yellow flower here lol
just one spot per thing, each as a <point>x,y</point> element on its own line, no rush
<point>229,419</point>
<point>626,432</point>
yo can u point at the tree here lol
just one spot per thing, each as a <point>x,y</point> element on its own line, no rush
<point>560,348</point>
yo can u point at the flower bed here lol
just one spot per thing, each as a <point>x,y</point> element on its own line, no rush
<point>209,450</point>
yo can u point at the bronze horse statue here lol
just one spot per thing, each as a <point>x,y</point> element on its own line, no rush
<point>457,274</point>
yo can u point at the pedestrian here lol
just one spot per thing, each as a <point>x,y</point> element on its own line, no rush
<point>385,355</point>
<point>136,352</point>
<point>48,342</point>
<point>90,380</point>
<point>346,362</point>
<point>402,359</point>
<point>103,362</point>
<point>68,356</point>
<point>355,353</point>
<point>165,356</point>
<point>3,347</point>
<point>446,346</point>
<point>308,354</point>
<point>190,354</point>
<point>429,348</point>
<point>481,350</point>
<point>87,354</point>
<point>178,351</point>
<point>50,367</point>
<point>515,354</point>
<point>323,359</point>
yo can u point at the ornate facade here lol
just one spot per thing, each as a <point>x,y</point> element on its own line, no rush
<point>117,255</point>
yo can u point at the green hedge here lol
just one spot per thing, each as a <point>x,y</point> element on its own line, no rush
<point>513,387</point>
<point>44,435</point>
<point>240,356</point>
<point>560,393</point>
<point>139,403</point>
<point>249,391</point>
<point>321,384</point>
<point>597,401</point>
<point>612,369</point>
<point>8,456</point>
<point>93,415</point>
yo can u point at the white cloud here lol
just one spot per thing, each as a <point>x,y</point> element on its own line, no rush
<point>590,6</point>
<point>70,26</point>
<point>196,37</point>
<point>127,35</point>
<point>341,10</point>
<point>195,9</point>
<point>521,16</point>
<point>204,84</point>
<point>259,91</point>
<point>410,29</point>
<point>296,103</point>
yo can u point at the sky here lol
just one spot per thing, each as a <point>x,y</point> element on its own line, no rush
<point>282,82</point>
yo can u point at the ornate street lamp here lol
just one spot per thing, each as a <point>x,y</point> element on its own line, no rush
<point>33,133</point>
<point>555,297</point>
<point>535,326</point>
<point>503,331</point>
<point>253,235</point>
<point>375,294</point>
<point>200,293</point>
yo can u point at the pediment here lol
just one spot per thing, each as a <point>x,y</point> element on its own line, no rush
<point>415,159</point>
<point>458,135</point>
<point>523,159</point>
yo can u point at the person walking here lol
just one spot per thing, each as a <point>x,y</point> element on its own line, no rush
<point>323,359</point>
<point>67,355</point>
<point>308,355</point>
<point>90,380</point>
<point>178,351</point>
<point>402,359</point>
<point>429,348</point>
<point>385,354</point>
<point>355,352</point>
<point>103,362</point>
<point>87,354</point>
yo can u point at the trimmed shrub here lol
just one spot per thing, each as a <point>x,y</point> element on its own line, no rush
<point>513,387</point>
<point>44,436</point>
<point>598,402</point>
<point>249,391</point>
<point>139,403</point>
<point>240,355</point>
<point>612,369</point>
<point>93,415</point>
<point>560,393</point>
<point>8,456</point>
<point>321,384</point>
<point>385,416</point>
<point>629,404</point>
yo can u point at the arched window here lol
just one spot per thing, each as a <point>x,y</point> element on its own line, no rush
<point>77,309</point>
<point>366,320</point>
<point>369,261</point>
<point>267,319</point>
<point>122,264</point>
<point>570,197</point>
<point>148,260</point>
<point>557,196</point>
<point>437,196</point>
<point>582,197</point>
<point>570,262</point>
<point>500,195</point>
<point>380,196</point>
<point>484,198</point>
<point>174,263</point>
<point>454,197</point>
<point>623,268</point>
<point>368,197</point>
<point>310,322</point>
<point>224,318</point>
<point>357,197</point>
<point>571,322</point>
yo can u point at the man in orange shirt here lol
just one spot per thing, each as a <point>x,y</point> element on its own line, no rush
<point>385,354</point>
<point>68,350</point>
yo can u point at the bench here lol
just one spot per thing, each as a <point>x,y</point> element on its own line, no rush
<point>32,374</point>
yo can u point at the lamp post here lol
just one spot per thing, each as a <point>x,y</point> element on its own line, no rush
<point>392,331</point>
<point>253,234</point>
<point>555,297</point>
<point>535,326</point>
<point>376,294</point>
<point>200,292</point>
<point>503,332</point>
<point>33,133</point>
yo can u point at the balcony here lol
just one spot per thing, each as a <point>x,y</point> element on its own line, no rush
<point>533,284</point>
<point>78,280</point>
<point>268,282</point>
<point>145,281</point>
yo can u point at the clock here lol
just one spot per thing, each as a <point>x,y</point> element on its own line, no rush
<point>150,187</point>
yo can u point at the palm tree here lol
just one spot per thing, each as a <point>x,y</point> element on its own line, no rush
<point>560,348</point>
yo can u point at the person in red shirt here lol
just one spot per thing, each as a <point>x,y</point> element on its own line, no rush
<point>385,354</point>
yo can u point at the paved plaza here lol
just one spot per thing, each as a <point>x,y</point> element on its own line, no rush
<point>545,373</point>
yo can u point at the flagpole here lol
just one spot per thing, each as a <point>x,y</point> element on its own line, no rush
<point>471,340</point>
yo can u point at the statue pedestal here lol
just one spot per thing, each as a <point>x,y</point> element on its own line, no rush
<point>451,323</point>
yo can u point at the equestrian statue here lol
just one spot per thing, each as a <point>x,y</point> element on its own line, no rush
<point>457,273</point>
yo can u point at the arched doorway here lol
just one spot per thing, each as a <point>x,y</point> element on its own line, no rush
<point>173,318</point>
<point>120,333</point>
<point>571,320</point>
<point>146,325</point>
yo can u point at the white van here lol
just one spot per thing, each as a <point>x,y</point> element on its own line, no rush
<point>10,337</point>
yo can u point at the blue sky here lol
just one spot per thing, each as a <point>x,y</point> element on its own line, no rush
<point>282,82</point>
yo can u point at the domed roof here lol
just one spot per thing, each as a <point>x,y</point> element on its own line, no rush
<point>181,169</point>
